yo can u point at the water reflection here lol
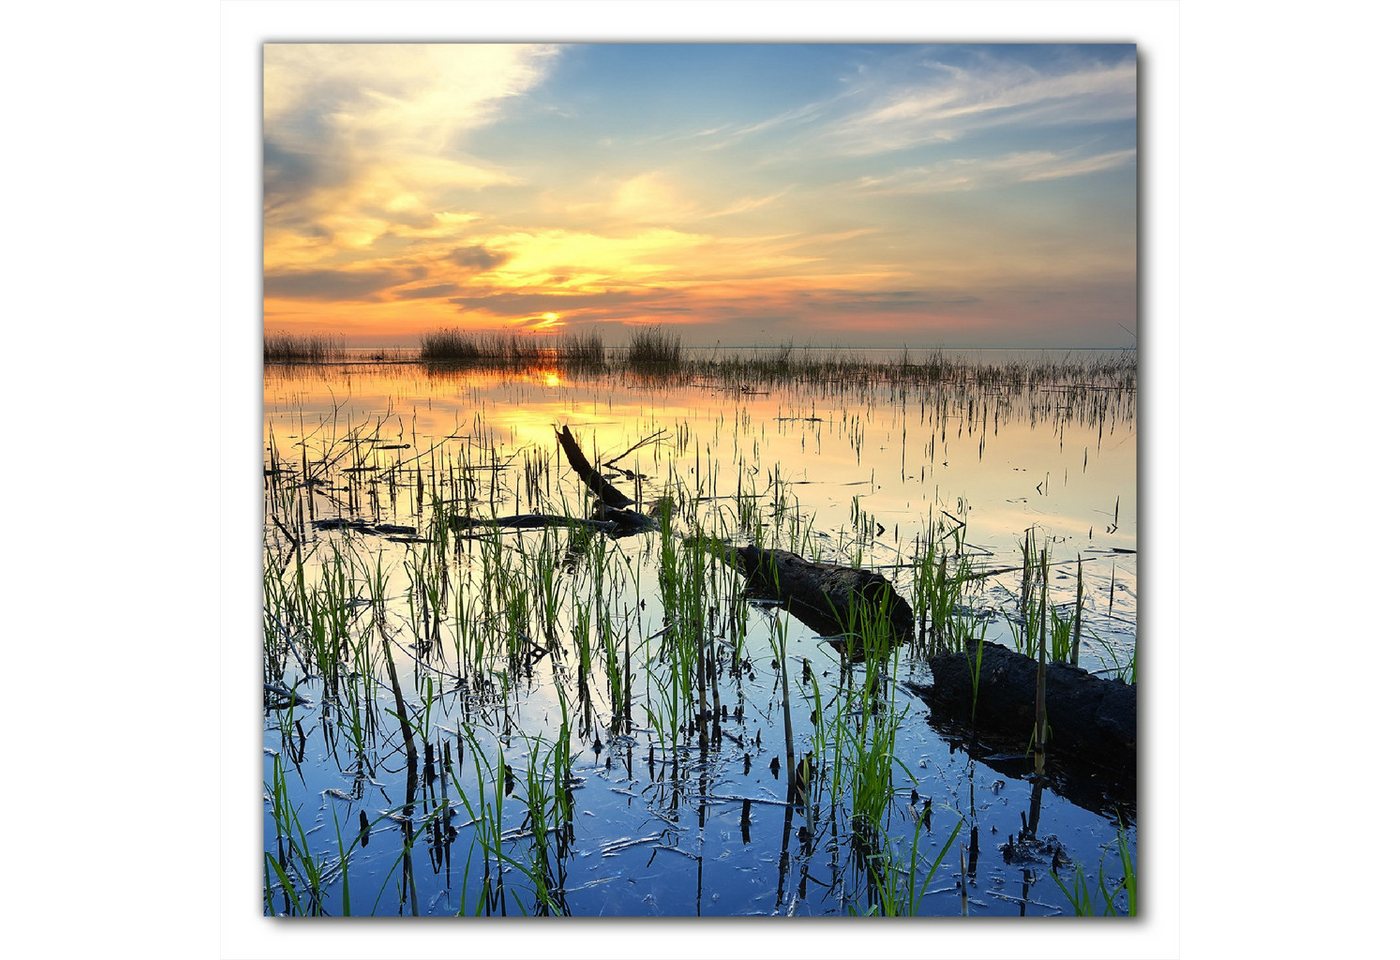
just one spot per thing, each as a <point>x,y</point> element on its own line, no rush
<point>360,466</point>
<point>1004,460</point>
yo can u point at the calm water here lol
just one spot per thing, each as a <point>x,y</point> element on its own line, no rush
<point>658,823</point>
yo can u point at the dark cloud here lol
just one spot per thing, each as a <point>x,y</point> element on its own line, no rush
<point>520,304</point>
<point>334,284</point>
<point>477,258</point>
<point>287,174</point>
<point>304,147</point>
<point>423,293</point>
<point>763,319</point>
<point>893,301</point>
<point>291,176</point>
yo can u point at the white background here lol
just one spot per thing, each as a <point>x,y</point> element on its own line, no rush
<point>132,206</point>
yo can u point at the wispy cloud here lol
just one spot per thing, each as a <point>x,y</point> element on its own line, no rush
<point>724,137</point>
<point>951,101</point>
<point>973,173</point>
<point>1082,166</point>
<point>360,138</point>
<point>746,204</point>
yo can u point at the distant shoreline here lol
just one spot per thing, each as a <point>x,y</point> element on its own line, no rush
<point>414,347</point>
<point>1112,370</point>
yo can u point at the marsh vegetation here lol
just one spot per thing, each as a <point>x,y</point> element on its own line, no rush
<point>485,694</point>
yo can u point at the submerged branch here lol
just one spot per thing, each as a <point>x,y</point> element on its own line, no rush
<point>614,523</point>
<point>594,480</point>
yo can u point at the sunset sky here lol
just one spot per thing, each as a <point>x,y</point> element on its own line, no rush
<point>877,195</point>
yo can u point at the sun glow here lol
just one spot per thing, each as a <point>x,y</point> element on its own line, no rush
<point>501,187</point>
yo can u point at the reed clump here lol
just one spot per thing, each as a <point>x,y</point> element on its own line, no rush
<point>308,348</point>
<point>583,351</point>
<point>496,349</point>
<point>654,348</point>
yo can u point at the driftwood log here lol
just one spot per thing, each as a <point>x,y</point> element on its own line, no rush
<point>614,523</point>
<point>1091,719</point>
<point>828,598</point>
<point>363,526</point>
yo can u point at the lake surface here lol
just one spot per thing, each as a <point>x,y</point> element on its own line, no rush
<point>562,763</point>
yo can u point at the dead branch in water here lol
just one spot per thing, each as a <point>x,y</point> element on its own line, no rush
<point>657,436</point>
<point>615,523</point>
<point>594,480</point>
<point>364,526</point>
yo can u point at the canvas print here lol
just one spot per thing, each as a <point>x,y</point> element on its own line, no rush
<point>700,480</point>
